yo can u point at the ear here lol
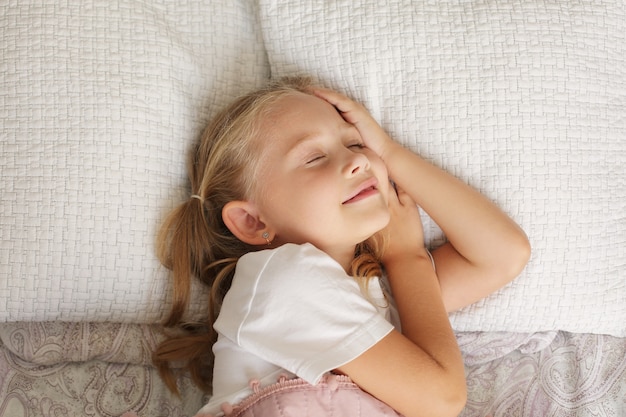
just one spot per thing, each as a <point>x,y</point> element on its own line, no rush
<point>242,219</point>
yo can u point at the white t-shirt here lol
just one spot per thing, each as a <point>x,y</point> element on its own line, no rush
<point>291,310</point>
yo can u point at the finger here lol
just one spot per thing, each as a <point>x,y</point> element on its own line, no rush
<point>346,106</point>
<point>333,97</point>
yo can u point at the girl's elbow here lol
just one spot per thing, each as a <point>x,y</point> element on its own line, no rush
<point>520,255</point>
<point>449,405</point>
<point>511,259</point>
<point>457,402</point>
<point>448,401</point>
<point>456,399</point>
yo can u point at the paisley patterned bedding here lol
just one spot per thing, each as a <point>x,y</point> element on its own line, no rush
<point>85,369</point>
<point>103,369</point>
<point>555,374</point>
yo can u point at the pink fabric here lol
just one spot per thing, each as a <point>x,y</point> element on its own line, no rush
<point>335,396</point>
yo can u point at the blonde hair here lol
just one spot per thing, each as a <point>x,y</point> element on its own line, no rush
<point>194,241</point>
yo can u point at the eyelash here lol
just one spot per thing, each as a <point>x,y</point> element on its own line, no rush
<point>316,158</point>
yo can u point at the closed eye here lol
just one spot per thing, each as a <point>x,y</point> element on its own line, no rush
<point>357,145</point>
<point>315,159</point>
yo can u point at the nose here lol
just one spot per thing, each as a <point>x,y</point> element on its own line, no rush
<point>355,163</point>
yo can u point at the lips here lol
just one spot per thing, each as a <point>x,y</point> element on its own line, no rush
<point>364,190</point>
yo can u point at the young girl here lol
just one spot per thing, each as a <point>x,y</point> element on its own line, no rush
<point>299,201</point>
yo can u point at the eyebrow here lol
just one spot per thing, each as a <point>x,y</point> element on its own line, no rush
<point>301,142</point>
<point>312,137</point>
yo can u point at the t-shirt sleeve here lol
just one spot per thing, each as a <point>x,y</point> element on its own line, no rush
<point>296,308</point>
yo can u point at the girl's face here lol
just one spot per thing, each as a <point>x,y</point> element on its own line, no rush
<point>316,181</point>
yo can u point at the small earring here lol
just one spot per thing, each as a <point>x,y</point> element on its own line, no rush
<point>266,236</point>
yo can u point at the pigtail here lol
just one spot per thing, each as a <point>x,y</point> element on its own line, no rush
<point>181,244</point>
<point>367,264</point>
<point>179,239</point>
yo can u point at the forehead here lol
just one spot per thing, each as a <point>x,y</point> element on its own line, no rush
<point>298,114</point>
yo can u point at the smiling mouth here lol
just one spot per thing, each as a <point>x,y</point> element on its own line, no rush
<point>367,189</point>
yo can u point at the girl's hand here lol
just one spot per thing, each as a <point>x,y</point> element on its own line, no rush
<point>485,248</point>
<point>404,233</point>
<point>354,113</point>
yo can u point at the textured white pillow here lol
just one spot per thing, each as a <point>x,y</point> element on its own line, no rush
<point>99,102</point>
<point>526,101</point>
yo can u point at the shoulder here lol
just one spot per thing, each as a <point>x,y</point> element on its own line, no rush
<point>287,268</point>
<point>292,280</point>
<point>287,256</point>
<point>296,307</point>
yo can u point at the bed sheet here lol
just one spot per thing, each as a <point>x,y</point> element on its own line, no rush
<point>103,369</point>
<point>86,369</point>
<point>556,374</point>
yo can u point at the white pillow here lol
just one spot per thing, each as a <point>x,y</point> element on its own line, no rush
<point>99,102</point>
<point>526,101</point>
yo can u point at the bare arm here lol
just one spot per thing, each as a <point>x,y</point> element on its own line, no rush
<point>485,248</point>
<point>419,372</point>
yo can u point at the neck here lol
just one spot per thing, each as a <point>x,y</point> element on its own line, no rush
<point>344,256</point>
<point>341,254</point>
